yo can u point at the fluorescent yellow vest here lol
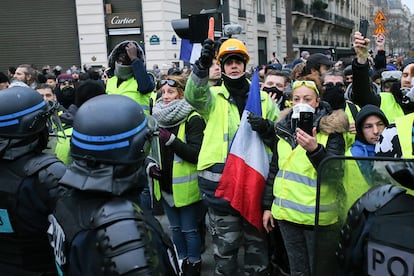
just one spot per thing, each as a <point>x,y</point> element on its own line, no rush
<point>349,137</point>
<point>295,187</point>
<point>62,149</point>
<point>404,129</point>
<point>184,177</point>
<point>129,88</point>
<point>390,107</point>
<point>355,184</point>
<point>221,125</point>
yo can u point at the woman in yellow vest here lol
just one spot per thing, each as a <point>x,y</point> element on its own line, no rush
<point>293,173</point>
<point>181,134</point>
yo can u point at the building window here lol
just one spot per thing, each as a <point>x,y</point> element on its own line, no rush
<point>260,11</point>
<point>242,12</point>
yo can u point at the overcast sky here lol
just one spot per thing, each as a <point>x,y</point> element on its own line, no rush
<point>409,4</point>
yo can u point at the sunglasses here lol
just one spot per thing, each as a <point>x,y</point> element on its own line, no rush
<point>310,84</point>
<point>63,81</point>
<point>171,83</point>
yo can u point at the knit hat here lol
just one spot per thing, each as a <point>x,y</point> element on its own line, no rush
<point>365,112</point>
<point>88,89</point>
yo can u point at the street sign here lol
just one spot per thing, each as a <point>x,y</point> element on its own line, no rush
<point>380,29</point>
<point>380,18</point>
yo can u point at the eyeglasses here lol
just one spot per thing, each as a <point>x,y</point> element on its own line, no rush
<point>391,76</point>
<point>330,85</point>
<point>310,84</point>
<point>171,83</point>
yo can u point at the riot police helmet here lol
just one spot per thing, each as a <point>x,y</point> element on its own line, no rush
<point>110,129</point>
<point>23,112</point>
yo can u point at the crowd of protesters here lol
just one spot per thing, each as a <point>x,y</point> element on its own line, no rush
<point>361,106</point>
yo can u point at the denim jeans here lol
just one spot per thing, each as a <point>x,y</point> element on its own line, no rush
<point>185,230</point>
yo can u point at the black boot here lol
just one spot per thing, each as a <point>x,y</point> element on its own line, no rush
<point>191,269</point>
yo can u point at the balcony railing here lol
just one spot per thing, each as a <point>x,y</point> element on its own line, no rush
<point>346,22</point>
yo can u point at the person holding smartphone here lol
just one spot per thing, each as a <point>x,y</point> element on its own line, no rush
<point>290,194</point>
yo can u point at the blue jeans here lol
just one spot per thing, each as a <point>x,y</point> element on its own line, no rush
<point>185,230</point>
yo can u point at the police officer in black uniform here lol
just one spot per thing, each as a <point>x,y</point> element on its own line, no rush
<point>28,181</point>
<point>98,227</point>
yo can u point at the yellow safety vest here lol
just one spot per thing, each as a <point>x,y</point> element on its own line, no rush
<point>295,187</point>
<point>404,129</point>
<point>390,107</point>
<point>222,122</point>
<point>129,88</point>
<point>184,176</point>
<point>62,149</point>
<point>355,184</point>
<point>349,137</point>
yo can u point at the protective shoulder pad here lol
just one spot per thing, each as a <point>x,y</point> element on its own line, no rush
<point>350,250</point>
<point>123,239</point>
<point>39,162</point>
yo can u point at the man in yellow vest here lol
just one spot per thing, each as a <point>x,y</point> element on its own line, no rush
<point>221,107</point>
<point>130,77</point>
<point>394,104</point>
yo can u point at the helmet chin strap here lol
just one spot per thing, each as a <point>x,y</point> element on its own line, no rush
<point>234,77</point>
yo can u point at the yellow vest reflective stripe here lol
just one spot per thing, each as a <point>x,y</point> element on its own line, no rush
<point>295,188</point>
<point>405,134</point>
<point>129,88</point>
<point>390,107</point>
<point>184,176</point>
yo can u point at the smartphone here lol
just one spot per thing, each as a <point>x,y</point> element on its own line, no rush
<point>306,122</point>
<point>363,27</point>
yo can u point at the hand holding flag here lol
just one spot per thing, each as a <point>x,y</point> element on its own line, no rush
<point>245,172</point>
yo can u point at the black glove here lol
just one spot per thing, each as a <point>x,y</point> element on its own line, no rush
<point>259,124</point>
<point>207,54</point>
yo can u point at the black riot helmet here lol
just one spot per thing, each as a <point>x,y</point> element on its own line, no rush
<point>23,112</point>
<point>110,129</point>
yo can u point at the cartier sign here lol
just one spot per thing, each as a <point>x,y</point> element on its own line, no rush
<point>123,20</point>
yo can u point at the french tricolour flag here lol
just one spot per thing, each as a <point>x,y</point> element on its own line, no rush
<point>243,179</point>
<point>190,52</point>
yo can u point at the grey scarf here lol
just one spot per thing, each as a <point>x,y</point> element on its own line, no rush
<point>172,114</point>
<point>123,72</point>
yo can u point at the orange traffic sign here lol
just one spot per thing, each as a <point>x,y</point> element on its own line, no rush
<point>380,29</point>
<point>380,18</point>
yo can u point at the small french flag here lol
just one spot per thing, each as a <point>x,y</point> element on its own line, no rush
<point>190,52</point>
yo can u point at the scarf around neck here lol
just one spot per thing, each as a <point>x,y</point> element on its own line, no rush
<point>171,114</point>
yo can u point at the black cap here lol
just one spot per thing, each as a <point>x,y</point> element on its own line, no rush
<point>366,111</point>
<point>318,58</point>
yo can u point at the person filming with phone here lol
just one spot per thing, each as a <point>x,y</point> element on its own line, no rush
<point>307,134</point>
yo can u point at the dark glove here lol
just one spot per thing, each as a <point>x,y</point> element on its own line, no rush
<point>258,123</point>
<point>207,54</point>
<point>155,172</point>
<point>165,135</point>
